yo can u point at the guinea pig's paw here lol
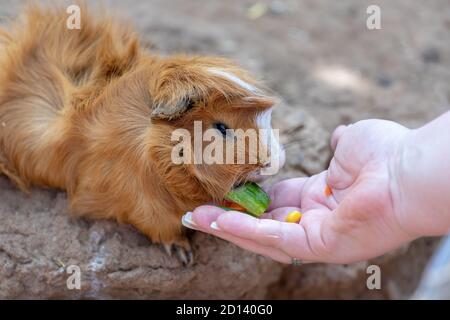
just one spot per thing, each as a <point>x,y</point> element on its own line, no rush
<point>182,251</point>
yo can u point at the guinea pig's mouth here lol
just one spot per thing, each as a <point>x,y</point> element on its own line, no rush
<point>240,181</point>
<point>254,176</point>
<point>238,184</point>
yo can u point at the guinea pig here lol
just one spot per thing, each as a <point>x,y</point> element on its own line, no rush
<point>91,112</point>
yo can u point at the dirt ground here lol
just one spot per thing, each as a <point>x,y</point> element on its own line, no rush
<point>316,55</point>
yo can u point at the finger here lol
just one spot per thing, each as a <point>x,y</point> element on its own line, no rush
<point>238,224</point>
<point>337,134</point>
<point>269,244</point>
<point>291,238</point>
<point>252,246</point>
<point>201,220</point>
<point>286,193</point>
<point>203,216</point>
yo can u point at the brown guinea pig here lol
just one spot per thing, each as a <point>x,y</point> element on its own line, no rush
<point>90,112</point>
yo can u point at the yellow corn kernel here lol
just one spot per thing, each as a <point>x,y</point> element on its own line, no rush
<point>293,217</point>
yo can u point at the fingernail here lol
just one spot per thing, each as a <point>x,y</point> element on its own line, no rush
<point>214,226</point>
<point>187,221</point>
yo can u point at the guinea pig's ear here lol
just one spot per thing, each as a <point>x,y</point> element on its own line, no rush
<point>174,93</point>
<point>173,108</point>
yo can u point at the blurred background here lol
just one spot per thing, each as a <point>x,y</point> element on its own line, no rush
<point>328,68</point>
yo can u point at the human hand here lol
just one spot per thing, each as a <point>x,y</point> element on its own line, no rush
<point>357,222</point>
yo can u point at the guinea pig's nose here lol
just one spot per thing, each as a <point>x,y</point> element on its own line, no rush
<point>264,161</point>
<point>265,164</point>
<point>271,166</point>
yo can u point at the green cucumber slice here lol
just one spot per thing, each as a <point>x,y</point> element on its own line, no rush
<point>251,197</point>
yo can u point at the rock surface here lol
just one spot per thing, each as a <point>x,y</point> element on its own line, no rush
<point>38,241</point>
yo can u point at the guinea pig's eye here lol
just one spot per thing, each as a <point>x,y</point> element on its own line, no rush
<point>221,127</point>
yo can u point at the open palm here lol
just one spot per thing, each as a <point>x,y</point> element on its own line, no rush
<point>356,222</point>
